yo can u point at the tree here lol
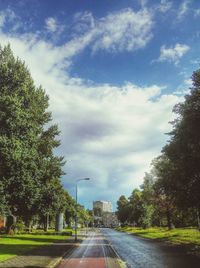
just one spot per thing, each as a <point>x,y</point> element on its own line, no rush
<point>70,210</point>
<point>176,188</point>
<point>135,207</point>
<point>83,216</point>
<point>27,162</point>
<point>163,169</point>
<point>122,209</point>
<point>97,212</point>
<point>53,201</point>
<point>91,215</point>
<point>3,203</point>
<point>183,149</point>
<point>148,197</point>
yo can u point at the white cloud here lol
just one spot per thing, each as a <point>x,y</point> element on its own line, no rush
<point>9,16</point>
<point>52,25</point>
<point>183,9</point>
<point>116,132</point>
<point>143,3</point>
<point>195,61</point>
<point>130,31</point>
<point>109,133</point>
<point>197,12</point>
<point>188,82</point>
<point>173,54</point>
<point>83,21</point>
<point>164,6</point>
<point>184,87</point>
<point>2,19</point>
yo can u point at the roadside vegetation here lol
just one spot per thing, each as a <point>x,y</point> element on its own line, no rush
<point>169,196</point>
<point>175,236</point>
<point>31,192</point>
<point>11,246</point>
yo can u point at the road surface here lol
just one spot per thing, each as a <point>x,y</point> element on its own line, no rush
<point>144,253</point>
<point>93,252</point>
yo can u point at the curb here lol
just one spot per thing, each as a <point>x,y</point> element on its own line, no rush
<point>56,261</point>
<point>122,264</point>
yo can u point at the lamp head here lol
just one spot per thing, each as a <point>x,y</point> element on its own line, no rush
<point>84,179</point>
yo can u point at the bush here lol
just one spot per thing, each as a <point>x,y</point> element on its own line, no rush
<point>2,230</point>
<point>19,227</point>
<point>67,233</point>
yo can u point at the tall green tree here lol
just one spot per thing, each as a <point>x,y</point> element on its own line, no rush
<point>83,215</point>
<point>164,172</point>
<point>183,149</point>
<point>148,198</point>
<point>52,201</point>
<point>70,210</point>
<point>26,144</point>
<point>122,209</point>
<point>135,207</point>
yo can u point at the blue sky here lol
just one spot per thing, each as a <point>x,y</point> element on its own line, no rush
<point>113,71</point>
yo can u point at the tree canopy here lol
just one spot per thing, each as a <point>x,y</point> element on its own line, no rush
<point>173,192</point>
<point>28,166</point>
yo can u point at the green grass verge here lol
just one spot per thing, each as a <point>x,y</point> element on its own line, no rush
<point>11,246</point>
<point>176,236</point>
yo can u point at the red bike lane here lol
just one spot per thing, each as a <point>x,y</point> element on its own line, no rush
<point>93,252</point>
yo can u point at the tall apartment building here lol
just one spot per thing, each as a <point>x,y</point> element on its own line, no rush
<point>103,215</point>
<point>104,206</point>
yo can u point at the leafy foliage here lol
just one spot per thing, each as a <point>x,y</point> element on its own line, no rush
<point>122,209</point>
<point>29,171</point>
<point>171,192</point>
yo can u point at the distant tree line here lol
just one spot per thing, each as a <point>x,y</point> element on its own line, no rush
<point>170,193</point>
<point>30,172</point>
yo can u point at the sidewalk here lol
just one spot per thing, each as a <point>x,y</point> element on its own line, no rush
<point>44,256</point>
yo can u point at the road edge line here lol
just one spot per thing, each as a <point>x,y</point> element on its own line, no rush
<point>57,260</point>
<point>122,264</point>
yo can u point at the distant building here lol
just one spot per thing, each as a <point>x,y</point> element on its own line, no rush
<point>103,215</point>
<point>103,206</point>
<point>109,219</point>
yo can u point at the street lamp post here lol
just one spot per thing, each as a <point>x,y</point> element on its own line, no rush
<point>76,218</point>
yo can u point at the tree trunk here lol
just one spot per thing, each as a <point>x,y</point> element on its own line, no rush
<point>198,219</point>
<point>9,229</point>
<point>10,220</point>
<point>46,222</point>
<point>169,219</point>
<point>69,224</point>
<point>28,223</point>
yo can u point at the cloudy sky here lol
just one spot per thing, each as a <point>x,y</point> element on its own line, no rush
<point>113,71</point>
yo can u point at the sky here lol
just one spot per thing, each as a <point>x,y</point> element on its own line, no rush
<point>113,70</point>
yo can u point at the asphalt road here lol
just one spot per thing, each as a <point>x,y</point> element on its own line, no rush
<point>144,253</point>
<point>93,252</point>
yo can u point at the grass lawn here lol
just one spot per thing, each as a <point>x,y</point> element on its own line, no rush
<point>175,236</point>
<point>11,246</point>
